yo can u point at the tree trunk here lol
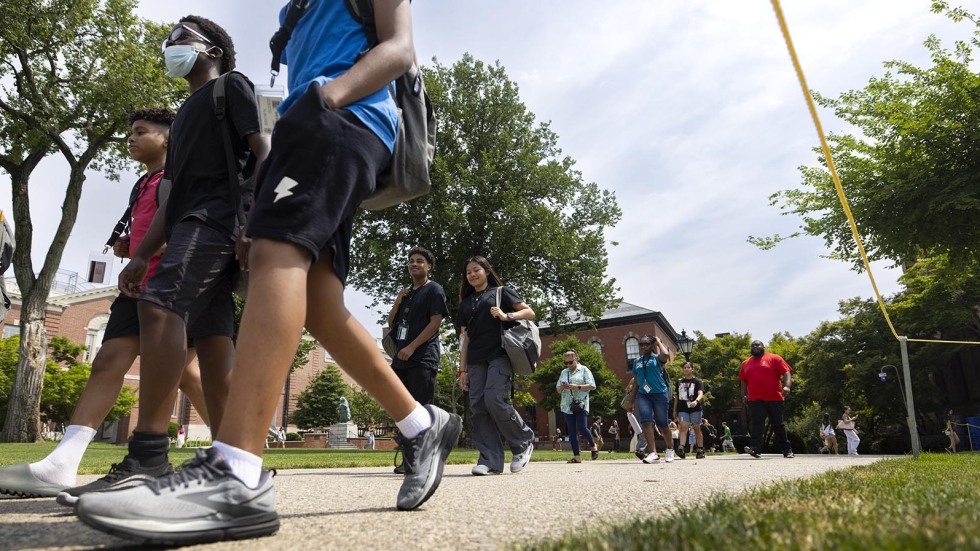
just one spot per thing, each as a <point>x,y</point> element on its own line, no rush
<point>23,422</point>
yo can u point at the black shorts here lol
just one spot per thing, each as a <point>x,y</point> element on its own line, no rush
<point>323,163</point>
<point>193,279</point>
<point>124,320</point>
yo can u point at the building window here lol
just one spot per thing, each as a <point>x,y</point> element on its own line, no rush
<point>10,330</point>
<point>94,334</point>
<point>632,348</point>
<point>597,345</point>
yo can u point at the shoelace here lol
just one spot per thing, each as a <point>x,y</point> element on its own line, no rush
<point>117,471</point>
<point>193,470</point>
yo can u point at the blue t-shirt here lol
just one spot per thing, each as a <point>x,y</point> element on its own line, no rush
<point>647,370</point>
<point>324,45</point>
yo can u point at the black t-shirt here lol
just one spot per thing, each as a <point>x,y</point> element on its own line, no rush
<point>196,163</point>
<point>416,311</point>
<point>687,391</point>
<point>482,329</point>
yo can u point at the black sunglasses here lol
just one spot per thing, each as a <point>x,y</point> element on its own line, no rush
<point>570,363</point>
<point>180,32</point>
<point>646,344</point>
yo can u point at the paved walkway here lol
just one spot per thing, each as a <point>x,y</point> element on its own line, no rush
<point>354,509</point>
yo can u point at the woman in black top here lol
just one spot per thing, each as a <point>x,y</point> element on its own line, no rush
<point>485,370</point>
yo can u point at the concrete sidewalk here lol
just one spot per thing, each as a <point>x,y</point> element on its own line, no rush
<point>354,509</point>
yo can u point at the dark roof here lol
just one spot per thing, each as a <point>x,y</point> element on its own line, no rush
<point>621,314</point>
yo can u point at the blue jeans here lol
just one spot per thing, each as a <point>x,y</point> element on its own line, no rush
<point>575,423</point>
<point>653,408</point>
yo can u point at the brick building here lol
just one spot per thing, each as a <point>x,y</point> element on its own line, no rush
<point>615,335</point>
<point>81,315</point>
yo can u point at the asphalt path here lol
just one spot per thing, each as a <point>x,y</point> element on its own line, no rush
<point>354,509</point>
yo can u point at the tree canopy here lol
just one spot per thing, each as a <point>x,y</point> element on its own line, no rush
<point>502,189</point>
<point>71,71</point>
<point>316,406</point>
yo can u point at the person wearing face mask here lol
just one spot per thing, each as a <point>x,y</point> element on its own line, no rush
<point>192,284</point>
<point>765,379</point>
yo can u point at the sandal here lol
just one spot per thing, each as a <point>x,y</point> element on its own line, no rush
<point>574,460</point>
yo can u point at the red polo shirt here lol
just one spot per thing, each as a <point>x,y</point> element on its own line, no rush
<point>764,376</point>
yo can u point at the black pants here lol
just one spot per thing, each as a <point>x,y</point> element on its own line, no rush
<point>759,410</point>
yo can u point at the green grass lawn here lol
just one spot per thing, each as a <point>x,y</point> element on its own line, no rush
<point>99,457</point>
<point>932,503</point>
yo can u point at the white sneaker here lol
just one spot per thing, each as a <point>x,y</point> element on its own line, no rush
<point>670,456</point>
<point>652,458</point>
<point>483,470</point>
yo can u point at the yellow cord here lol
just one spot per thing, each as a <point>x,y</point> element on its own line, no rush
<point>836,178</point>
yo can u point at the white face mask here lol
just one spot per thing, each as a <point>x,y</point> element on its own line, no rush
<point>180,59</point>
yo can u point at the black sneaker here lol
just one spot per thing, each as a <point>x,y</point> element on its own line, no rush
<point>126,474</point>
<point>425,457</point>
<point>752,452</point>
<point>700,454</point>
<point>202,503</point>
<point>680,453</point>
<point>789,455</point>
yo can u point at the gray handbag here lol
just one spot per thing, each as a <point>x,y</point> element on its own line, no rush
<point>522,344</point>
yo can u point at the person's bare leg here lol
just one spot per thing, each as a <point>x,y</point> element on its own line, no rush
<point>682,433</point>
<point>698,437</point>
<point>104,384</point>
<point>216,356</point>
<point>270,331</point>
<point>651,438</point>
<point>190,385</point>
<point>349,343</point>
<point>163,349</point>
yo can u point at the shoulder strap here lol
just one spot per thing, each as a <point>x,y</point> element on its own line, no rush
<point>277,44</point>
<point>363,12</point>
<point>124,221</point>
<point>218,104</point>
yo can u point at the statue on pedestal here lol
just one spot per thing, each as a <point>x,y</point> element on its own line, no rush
<point>343,410</point>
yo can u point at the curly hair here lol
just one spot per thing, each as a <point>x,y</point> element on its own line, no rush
<point>425,254</point>
<point>218,37</point>
<point>159,115</point>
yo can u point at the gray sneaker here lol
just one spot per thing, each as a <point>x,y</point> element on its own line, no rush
<point>520,460</point>
<point>425,456</point>
<point>204,502</point>
<point>125,474</point>
<point>18,481</point>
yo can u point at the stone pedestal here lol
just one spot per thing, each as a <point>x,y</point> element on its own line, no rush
<point>339,435</point>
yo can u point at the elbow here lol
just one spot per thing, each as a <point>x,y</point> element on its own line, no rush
<point>531,313</point>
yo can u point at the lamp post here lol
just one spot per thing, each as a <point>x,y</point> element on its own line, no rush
<point>884,377</point>
<point>686,345</point>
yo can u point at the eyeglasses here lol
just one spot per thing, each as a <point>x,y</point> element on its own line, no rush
<point>179,33</point>
<point>646,344</point>
<point>570,363</point>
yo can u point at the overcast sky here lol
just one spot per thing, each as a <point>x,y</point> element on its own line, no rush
<point>689,111</point>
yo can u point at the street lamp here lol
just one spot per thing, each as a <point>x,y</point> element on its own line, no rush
<point>884,377</point>
<point>686,345</point>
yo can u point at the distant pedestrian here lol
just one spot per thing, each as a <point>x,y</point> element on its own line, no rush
<point>574,384</point>
<point>181,436</point>
<point>688,409</point>
<point>709,433</point>
<point>675,434</point>
<point>950,431</point>
<point>653,395</point>
<point>760,376</point>
<point>727,442</point>
<point>556,440</point>
<point>829,436</point>
<point>597,432</point>
<point>614,432</point>
<point>281,437</point>
<point>848,423</point>
<point>370,440</point>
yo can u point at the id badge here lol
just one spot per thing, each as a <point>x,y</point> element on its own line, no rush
<point>402,332</point>
<point>647,388</point>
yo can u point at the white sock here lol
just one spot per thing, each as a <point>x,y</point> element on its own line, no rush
<point>61,465</point>
<point>416,422</point>
<point>247,467</point>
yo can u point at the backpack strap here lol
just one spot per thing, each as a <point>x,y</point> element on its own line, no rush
<point>363,12</point>
<point>218,104</point>
<point>277,44</point>
<point>124,221</point>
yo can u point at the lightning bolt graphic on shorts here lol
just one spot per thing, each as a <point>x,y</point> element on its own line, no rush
<point>284,187</point>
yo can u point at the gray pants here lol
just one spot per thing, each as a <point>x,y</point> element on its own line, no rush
<point>494,415</point>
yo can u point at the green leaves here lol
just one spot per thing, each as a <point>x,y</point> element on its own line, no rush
<point>501,189</point>
<point>316,407</point>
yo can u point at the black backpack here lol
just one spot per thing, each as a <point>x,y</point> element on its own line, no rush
<point>122,226</point>
<point>407,176</point>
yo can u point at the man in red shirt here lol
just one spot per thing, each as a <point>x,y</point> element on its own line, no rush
<point>761,390</point>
